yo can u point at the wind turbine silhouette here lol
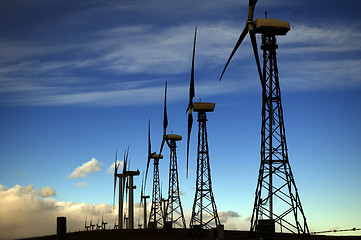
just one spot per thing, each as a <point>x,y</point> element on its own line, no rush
<point>204,209</point>
<point>275,180</point>
<point>172,208</point>
<point>86,227</point>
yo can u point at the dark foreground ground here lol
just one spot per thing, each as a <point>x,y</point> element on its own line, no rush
<point>178,234</point>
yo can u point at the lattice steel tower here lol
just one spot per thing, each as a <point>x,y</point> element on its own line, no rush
<point>156,212</point>
<point>174,211</point>
<point>204,210</point>
<point>173,214</point>
<point>277,199</point>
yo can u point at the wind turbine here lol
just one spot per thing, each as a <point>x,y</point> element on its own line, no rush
<point>275,180</point>
<point>173,211</point>
<point>129,187</point>
<point>204,210</point>
<point>123,184</point>
<point>143,201</point>
<point>91,224</point>
<point>121,189</point>
<point>116,226</point>
<point>156,212</point>
<point>103,223</point>
<point>86,227</point>
<point>99,227</point>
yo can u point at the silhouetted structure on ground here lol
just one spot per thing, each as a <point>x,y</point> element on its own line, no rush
<point>173,211</point>
<point>275,180</point>
<point>204,211</point>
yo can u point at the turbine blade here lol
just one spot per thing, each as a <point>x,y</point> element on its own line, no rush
<point>251,6</point>
<point>191,96</point>
<point>149,154</point>
<point>125,162</point>
<point>126,190</point>
<point>191,86</point>
<point>240,39</point>
<point>252,35</point>
<point>115,175</point>
<point>162,145</point>
<point>165,118</point>
<point>142,191</point>
<point>128,162</point>
<point>149,143</point>
<point>190,123</point>
<point>125,179</point>
<point>146,172</point>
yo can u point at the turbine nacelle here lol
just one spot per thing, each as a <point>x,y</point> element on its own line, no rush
<point>173,137</point>
<point>203,107</point>
<point>272,26</point>
<point>156,156</point>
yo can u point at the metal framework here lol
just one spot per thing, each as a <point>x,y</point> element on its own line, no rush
<point>174,211</point>
<point>156,212</point>
<point>204,210</point>
<point>277,199</point>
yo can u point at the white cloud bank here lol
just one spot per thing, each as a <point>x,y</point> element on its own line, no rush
<point>29,212</point>
<point>86,169</point>
<point>45,192</point>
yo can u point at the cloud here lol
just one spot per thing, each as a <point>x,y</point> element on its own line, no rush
<point>135,49</point>
<point>86,169</point>
<point>111,167</point>
<point>27,214</point>
<point>323,38</point>
<point>45,192</point>
<point>233,221</point>
<point>148,55</point>
<point>82,184</point>
<point>225,216</point>
<point>311,75</point>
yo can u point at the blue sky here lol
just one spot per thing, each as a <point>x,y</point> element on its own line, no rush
<point>80,79</point>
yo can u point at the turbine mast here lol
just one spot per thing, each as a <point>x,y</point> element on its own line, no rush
<point>156,213</point>
<point>204,210</point>
<point>275,180</point>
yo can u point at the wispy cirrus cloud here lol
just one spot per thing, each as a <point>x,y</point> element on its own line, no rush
<point>303,39</point>
<point>148,55</point>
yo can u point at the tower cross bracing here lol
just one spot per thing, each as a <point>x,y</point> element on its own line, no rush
<point>174,210</point>
<point>204,210</point>
<point>276,196</point>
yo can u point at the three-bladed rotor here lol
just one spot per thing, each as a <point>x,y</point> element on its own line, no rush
<point>251,29</point>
